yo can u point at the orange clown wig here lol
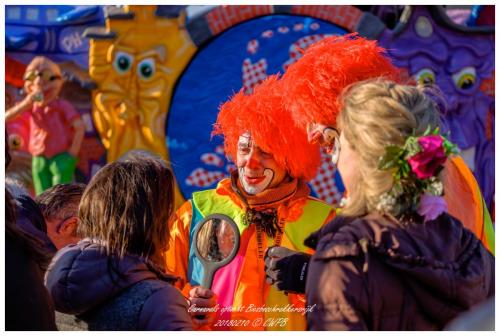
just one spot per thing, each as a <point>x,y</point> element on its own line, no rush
<point>271,128</point>
<point>313,83</point>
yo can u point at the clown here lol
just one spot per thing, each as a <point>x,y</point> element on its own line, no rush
<point>56,129</point>
<point>312,87</point>
<point>268,199</point>
<point>345,61</point>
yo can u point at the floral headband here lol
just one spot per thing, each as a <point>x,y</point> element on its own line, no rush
<point>416,166</point>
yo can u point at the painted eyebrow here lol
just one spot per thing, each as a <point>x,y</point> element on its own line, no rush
<point>243,146</point>
<point>158,52</point>
<point>149,53</point>
<point>333,129</point>
<point>125,49</point>
<point>244,140</point>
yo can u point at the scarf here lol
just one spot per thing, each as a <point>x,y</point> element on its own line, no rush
<point>262,208</point>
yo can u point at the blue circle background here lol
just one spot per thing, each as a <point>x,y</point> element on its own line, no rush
<point>214,75</point>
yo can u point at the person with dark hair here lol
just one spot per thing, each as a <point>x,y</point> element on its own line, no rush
<point>59,207</point>
<point>113,279</point>
<point>30,221</point>
<point>28,306</point>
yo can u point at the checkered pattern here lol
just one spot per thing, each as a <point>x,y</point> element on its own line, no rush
<point>344,16</point>
<point>267,34</point>
<point>324,182</point>
<point>211,159</point>
<point>230,167</point>
<point>224,17</point>
<point>488,85</point>
<point>298,26</point>
<point>283,29</point>
<point>220,150</point>
<point>295,50</point>
<point>253,74</point>
<point>314,26</point>
<point>200,177</point>
<point>253,46</point>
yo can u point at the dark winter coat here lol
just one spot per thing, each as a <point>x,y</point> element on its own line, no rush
<point>89,295</point>
<point>373,273</point>
<point>30,221</point>
<point>27,304</point>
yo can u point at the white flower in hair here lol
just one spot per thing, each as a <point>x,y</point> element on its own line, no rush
<point>386,203</point>
<point>435,187</point>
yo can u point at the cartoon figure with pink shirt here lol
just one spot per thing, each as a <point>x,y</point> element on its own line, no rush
<point>56,129</point>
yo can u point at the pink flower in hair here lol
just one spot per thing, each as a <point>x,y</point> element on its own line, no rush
<point>432,155</point>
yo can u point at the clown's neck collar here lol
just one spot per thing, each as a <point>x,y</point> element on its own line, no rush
<point>270,197</point>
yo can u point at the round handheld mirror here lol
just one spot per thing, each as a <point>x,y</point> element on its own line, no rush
<point>217,240</point>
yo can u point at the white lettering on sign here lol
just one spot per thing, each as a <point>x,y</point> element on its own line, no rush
<point>71,42</point>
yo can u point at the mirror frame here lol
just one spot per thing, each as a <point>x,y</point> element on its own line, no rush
<point>210,267</point>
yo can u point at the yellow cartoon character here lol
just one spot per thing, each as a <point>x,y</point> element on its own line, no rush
<point>135,61</point>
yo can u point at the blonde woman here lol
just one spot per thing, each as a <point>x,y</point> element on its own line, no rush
<point>394,259</point>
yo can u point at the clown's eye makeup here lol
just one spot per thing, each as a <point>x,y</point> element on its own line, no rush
<point>243,149</point>
<point>330,135</point>
<point>244,144</point>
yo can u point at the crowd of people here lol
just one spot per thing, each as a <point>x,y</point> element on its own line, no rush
<point>399,254</point>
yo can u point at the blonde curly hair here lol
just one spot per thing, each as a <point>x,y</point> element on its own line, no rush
<point>375,114</point>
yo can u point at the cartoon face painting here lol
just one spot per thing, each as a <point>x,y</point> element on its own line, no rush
<point>135,65</point>
<point>460,64</point>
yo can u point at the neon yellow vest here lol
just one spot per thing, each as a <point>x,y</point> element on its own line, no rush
<point>243,292</point>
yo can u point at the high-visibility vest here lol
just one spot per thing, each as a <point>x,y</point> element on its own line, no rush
<point>466,202</point>
<point>241,283</point>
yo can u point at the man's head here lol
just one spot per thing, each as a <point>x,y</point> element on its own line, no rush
<point>43,76</point>
<point>262,139</point>
<point>314,83</point>
<point>59,206</point>
<point>257,169</point>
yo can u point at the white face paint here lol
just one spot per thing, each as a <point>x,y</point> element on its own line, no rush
<point>257,185</point>
<point>257,170</point>
<point>327,137</point>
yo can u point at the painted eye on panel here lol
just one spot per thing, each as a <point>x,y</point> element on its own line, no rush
<point>425,77</point>
<point>122,62</point>
<point>465,78</point>
<point>146,68</point>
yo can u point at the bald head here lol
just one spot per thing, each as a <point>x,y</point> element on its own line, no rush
<point>43,77</point>
<point>41,63</point>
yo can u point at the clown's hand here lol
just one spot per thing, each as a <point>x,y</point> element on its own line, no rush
<point>287,269</point>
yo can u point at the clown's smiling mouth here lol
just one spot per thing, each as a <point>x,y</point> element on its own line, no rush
<point>254,179</point>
